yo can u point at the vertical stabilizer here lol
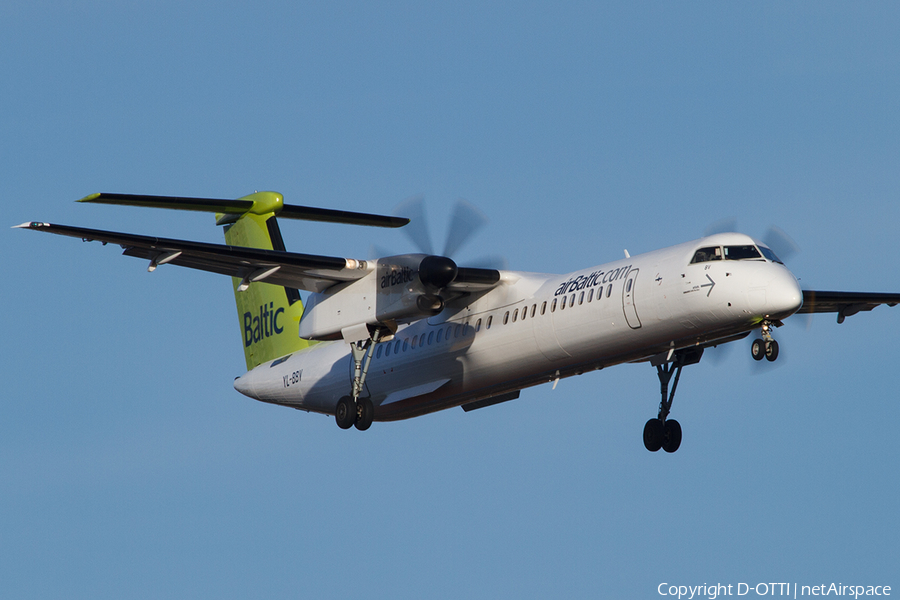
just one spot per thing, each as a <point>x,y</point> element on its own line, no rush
<point>268,314</point>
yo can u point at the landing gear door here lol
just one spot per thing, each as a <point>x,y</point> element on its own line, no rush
<point>631,315</point>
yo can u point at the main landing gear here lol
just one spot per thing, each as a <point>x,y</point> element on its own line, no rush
<point>766,347</point>
<point>349,413</point>
<point>354,410</point>
<point>662,432</point>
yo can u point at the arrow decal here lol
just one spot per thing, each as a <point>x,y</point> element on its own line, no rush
<point>710,285</point>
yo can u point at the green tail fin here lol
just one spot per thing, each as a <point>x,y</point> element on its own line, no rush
<point>268,314</point>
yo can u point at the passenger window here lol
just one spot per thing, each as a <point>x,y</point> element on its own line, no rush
<point>553,306</point>
<point>581,298</point>
<point>741,253</point>
<point>506,317</point>
<point>515,315</point>
<point>412,344</point>
<point>608,290</point>
<point>543,308</point>
<point>387,349</point>
<point>456,331</point>
<point>440,335</point>
<point>590,295</point>
<point>397,346</point>
<point>572,300</point>
<point>405,345</point>
<point>378,352</point>
<point>562,305</point>
<point>489,321</point>
<point>477,325</point>
<point>533,310</point>
<point>707,254</point>
<point>430,337</point>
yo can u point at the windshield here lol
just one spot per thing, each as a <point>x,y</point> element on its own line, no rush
<point>741,252</point>
<point>707,254</point>
<point>767,252</point>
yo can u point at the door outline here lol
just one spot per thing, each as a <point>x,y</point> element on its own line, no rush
<point>631,315</point>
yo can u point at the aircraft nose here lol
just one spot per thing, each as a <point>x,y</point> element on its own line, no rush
<point>783,294</point>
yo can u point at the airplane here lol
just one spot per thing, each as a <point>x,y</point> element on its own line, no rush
<point>402,336</point>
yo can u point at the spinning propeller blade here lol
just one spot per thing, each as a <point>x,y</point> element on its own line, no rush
<point>466,221</point>
<point>780,243</point>
<point>417,230</point>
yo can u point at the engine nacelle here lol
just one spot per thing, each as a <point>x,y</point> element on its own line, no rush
<point>400,289</point>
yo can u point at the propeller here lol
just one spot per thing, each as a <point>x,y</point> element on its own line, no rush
<point>466,220</point>
<point>781,243</point>
<point>417,229</point>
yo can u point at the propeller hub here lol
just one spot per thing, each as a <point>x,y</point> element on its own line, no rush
<point>437,271</point>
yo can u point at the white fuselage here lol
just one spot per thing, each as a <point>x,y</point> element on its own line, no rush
<point>534,328</point>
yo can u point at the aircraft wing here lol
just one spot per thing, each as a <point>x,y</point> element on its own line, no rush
<point>303,271</point>
<point>846,304</point>
<point>308,272</point>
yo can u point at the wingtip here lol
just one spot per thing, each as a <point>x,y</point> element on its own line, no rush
<point>90,198</point>
<point>29,225</point>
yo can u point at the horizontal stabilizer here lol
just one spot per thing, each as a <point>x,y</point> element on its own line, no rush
<point>258,202</point>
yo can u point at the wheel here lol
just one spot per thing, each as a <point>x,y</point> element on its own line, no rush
<point>771,350</point>
<point>653,435</point>
<point>345,413</point>
<point>758,349</point>
<point>366,413</point>
<point>671,436</point>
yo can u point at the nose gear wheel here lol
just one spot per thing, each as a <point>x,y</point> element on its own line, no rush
<point>765,347</point>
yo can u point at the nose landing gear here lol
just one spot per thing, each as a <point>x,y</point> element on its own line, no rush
<point>766,347</point>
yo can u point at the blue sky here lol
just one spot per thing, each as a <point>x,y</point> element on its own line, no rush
<point>130,468</point>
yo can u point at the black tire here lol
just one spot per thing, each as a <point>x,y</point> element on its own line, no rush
<point>654,431</point>
<point>366,414</point>
<point>345,413</point>
<point>771,351</point>
<point>758,349</point>
<point>671,436</point>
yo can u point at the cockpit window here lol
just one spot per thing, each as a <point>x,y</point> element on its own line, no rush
<point>741,252</point>
<point>707,254</point>
<point>767,252</point>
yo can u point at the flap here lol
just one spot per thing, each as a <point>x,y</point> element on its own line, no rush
<point>419,390</point>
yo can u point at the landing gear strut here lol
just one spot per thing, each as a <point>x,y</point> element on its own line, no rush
<point>766,347</point>
<point>353,410</point>
<point>663,432</point>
